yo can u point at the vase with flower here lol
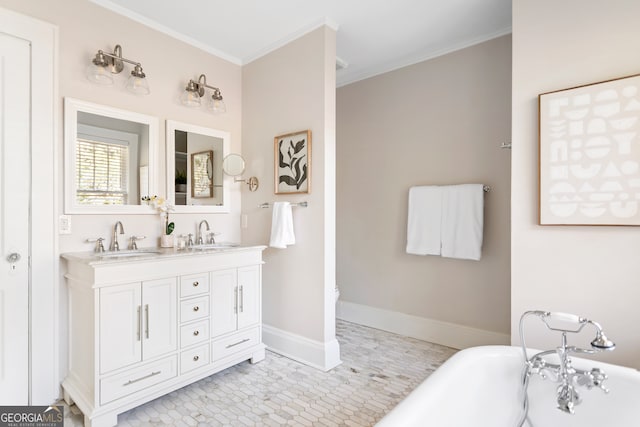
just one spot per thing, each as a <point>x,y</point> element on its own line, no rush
<point>166,239</point>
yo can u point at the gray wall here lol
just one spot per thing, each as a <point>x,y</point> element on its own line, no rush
<point>437,122</point>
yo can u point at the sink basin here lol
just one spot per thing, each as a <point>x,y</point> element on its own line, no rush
<point>221,245</point>
<point>129,253</point>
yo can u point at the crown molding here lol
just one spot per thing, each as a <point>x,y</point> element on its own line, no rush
<point>107,4</point>
<point>346,77</point>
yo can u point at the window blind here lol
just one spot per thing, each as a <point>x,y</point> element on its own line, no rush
<point>102,173</point>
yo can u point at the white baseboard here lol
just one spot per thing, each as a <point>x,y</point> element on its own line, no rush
<point>435,331</point>
<point>323,356</point>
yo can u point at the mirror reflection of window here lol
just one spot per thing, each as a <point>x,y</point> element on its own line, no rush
<point>111,161</point>
<point>102,175</point>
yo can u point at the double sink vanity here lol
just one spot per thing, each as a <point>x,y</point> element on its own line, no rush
<point>144,323</point>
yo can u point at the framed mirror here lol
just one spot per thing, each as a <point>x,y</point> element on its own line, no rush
<point>110,159</point>
<point>195,179</point>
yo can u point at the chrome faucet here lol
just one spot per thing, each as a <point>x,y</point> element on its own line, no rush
<point>114,238</point>
<point>200,240</point>
<point>568,377</point>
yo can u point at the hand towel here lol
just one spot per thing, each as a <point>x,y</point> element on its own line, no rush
<point>282,226</point>
<point>462,221</point>
<point>424,220</point>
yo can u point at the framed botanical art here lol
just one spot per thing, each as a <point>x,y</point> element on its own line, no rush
<point>293,162</point>
<point>590,154</point>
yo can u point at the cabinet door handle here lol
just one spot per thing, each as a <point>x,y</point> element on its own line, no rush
<point>196,358</point>
<point>239,342</point>
<point>241,299</point>
<point>146,315</point>
<point>139,321</point>
<point>196,308</point>
<point>196,333</point>
<point>235,303</point>
<point>152,374</point>
<point>195,284</point>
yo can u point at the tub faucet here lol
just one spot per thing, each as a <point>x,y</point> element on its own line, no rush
<point>200,240</point>
<point>568,377</point>
<point>114,238</point>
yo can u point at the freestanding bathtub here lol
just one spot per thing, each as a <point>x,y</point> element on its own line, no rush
<point>481,387</point>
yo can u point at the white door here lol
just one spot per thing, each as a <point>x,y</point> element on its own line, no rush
<point>224,302</point>
<point>120,326</point>
<point>15,188</point>
<point>248,296</point>
<point>160,300</point>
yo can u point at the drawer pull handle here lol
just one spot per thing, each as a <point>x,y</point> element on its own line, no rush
<point>196,333</point>
<point>196,308</point>
<point>196,358</point>
<point>239,342</point>
<point>152,374</point>
<point>195,283</point>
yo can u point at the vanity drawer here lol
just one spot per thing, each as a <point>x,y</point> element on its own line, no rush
<point>125,383</point>
<point>194,358</point>
<point>235,343</point>
<point>194,333</point>
<point>194,308</point>
<point>194,284</point>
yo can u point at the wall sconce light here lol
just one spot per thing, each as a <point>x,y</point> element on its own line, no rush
<point>195,90</point>
<point>105,64</point>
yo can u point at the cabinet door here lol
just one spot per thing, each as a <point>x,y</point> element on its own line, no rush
<point>160,314</point>
<point>224,301</point>
<point>120,325</point>
<point>248,296</point>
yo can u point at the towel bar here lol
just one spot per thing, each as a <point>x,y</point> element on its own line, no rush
<point>267,205</point>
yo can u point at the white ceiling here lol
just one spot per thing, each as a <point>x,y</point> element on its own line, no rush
<point>374,36</point>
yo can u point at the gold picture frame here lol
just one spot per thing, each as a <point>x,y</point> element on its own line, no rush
<point>292,163</point>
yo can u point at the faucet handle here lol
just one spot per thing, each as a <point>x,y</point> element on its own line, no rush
<point>190,241</point>
<point>98,241</point>
<point>598,377</point>
<point>132,244</point>
<point>211,236</point>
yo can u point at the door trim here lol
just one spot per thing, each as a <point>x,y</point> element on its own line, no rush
<point>44,387</point>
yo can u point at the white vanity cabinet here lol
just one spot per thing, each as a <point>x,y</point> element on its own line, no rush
<point>140,327</point>
<point>137,321</point>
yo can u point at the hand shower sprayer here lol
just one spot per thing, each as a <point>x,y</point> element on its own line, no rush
<point>569,377</point>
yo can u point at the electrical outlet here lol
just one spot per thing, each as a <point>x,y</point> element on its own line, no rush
<point>244,220</point>
<point>64,224</point>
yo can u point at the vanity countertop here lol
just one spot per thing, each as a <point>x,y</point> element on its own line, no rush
<point>91,258</point>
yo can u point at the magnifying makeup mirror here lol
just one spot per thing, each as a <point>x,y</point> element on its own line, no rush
<point>234,165</point>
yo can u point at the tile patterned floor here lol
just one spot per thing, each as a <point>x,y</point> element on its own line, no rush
<point>378,370</point>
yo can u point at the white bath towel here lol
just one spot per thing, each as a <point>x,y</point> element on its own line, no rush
<point>462,221</point>
<point>282,226</point>
<point>424,220</point>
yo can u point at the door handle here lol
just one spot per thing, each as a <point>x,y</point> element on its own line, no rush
<point>241,299</point>
<point>139,322</point>
<point>146,315</point>
<point>13,257</point>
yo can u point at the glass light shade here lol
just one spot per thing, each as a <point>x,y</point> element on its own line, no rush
<point>138,85</point>
<point>99,74</point>
<point>217,106</point>
<point>190,99</point>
